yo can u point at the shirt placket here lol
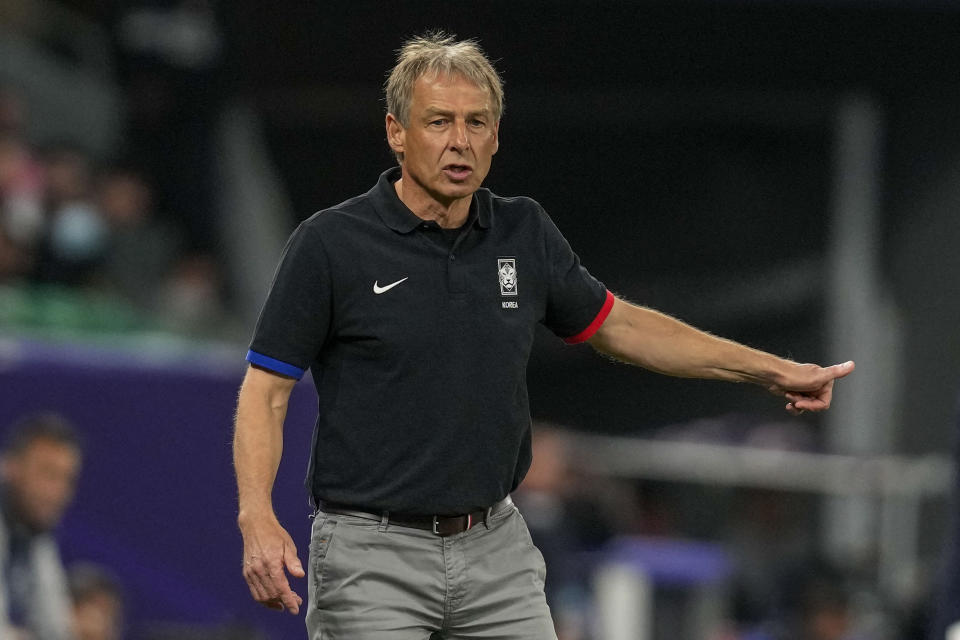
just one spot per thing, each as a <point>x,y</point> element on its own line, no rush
<point>456,265</point>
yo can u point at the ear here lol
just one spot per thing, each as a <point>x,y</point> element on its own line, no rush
<point>496,137</point>
<point>396,134</point>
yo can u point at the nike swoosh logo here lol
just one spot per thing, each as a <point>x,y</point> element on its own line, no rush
<point>378,290</point>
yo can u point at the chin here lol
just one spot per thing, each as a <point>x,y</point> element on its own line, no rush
<point>42,524</point>
<point>460,190</point>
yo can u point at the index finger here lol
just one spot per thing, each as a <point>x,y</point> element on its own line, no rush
<point>817,401</point>
<point>269,586</point>
<point>279,588</point>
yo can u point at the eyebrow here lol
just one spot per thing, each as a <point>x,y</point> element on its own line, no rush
<point>437,111</point>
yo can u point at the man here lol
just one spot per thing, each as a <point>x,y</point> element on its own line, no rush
<point>39,468</point>
<point>414,306</point>
<point>97,603</point>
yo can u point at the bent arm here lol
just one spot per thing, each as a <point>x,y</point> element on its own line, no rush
<point>656,341</point>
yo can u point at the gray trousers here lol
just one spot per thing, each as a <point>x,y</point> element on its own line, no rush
<point>368,580</point>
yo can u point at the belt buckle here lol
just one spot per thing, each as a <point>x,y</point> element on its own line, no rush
<point>436,525</point>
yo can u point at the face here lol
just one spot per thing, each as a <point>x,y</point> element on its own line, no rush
<point>124,199</point>
<point>829,623</point>
<point>450,140</point>
<point>97,618</point>
<point>42,479</point>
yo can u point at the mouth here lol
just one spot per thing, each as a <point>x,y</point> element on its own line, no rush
<point>457,172</point>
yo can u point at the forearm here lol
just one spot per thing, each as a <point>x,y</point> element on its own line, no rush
<point>655,341</point>
<point>268,550</point>
<point>258,440</point>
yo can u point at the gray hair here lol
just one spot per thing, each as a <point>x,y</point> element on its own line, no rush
<point>435,54</point>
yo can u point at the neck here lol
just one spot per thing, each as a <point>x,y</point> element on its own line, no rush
<point>449,215</point>
<point>10,512</point>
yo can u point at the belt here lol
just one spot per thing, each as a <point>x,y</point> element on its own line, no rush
<point>438,525</point>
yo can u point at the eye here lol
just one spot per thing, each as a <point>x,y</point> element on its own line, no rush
<point>439,122</point>
<point>477,123</point>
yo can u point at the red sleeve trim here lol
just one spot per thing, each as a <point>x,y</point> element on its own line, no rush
<point>592,328</point>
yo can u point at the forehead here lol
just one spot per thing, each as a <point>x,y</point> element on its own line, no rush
<point>434,90</point>
<point>48,449</point>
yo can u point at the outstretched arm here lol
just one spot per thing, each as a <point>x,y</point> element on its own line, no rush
<point>656,341</point>
<point>257,444</point>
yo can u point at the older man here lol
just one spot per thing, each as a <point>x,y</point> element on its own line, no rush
<point>39,469</point>
<point>414,306</point>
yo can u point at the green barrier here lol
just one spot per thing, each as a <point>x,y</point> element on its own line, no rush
<point>58,310</point>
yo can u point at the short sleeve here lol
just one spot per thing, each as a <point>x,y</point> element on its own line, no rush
<point>295,318</point>
<point>577,303</point>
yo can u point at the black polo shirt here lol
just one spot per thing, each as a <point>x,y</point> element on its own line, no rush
<point>418,345</point>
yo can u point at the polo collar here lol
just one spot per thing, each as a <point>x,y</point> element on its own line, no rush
<point>398,216</point>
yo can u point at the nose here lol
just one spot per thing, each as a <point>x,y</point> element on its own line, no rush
<point>458,137</point>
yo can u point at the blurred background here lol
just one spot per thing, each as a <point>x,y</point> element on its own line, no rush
<point>785,173</point>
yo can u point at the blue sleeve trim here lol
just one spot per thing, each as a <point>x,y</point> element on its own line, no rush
<point>274,365</point>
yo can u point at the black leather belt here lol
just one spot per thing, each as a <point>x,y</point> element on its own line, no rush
<point>438,525</point>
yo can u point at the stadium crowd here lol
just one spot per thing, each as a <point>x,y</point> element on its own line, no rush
<point>72,223</point>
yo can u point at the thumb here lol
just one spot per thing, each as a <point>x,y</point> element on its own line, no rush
<point>842,370</point>
<point>292,562</point>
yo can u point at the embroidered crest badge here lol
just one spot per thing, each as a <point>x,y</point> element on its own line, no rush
<point>507,270</point>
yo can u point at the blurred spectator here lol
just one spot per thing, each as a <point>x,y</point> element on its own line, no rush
<point>13,110</point>
<point>823,609</point>
<point>97,603</point>
<point>814,604</point>
<point>567,516</point>
<point>21,191</point>
<point>171,52</point>
<point>39,468</point>
<point>190,299</point>
<point>75,242</point>
<point>766,536</point>
<point>15,261</point>
<point>141,250</point>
